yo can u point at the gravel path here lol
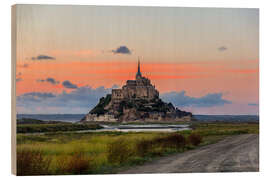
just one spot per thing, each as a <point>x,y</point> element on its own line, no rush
<point>233,154</point>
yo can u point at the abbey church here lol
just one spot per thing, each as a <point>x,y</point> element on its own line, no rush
<point>137,100</point>
<point>140,88</point>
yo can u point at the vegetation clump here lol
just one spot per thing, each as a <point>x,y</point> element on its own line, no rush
<point>99,108</point>
<point>118,151</point>
<point>172,141</point>
<point>194,139</point>
<point>32,162</point>
<point>30,121</point>
<point>78,163</point>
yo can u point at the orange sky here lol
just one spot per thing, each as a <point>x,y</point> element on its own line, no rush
<point>197,50</point>
<point>197,79</point>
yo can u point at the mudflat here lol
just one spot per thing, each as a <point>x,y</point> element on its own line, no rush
<point>238,153</point>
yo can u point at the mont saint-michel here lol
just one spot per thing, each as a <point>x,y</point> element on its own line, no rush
<point>138,100</point>
<point>86,105</point>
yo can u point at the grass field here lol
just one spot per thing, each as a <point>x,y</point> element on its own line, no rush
<point>39,126</point>
<point>106,152</point>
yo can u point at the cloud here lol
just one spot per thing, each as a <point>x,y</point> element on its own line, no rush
<point>83,99</point>
<point>24,65</point>
<point>49,80</point>
<point>122,50</point>
<point>222,48</point>
<point>80,100</point>
<point>34,97</point>
<point>180,99</point>
<point>43,57</point>
<point>18,79</point>
<point>69,85</point>
<point>253,104</point>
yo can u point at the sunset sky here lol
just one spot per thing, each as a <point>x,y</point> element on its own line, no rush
<point>204,60</point>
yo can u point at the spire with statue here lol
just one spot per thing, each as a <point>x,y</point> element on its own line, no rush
<point>139,74</point>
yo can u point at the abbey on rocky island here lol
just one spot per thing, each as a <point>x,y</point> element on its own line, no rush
<point>138,100</point>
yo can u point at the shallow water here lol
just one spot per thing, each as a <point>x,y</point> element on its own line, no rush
<point>141,128</point>
<point>131,128</point>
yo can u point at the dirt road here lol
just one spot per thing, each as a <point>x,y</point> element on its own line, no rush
<point>233,154</point>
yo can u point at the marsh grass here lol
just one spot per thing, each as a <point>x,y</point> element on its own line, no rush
<point>119,151</point>
<point>63,150</point>
<point>78,163</point>
<point>104,152</point>
<point>32,162</point>
<point>194,139</point>
<point>211,129</point>
<point>54,127</point>
<point>160,145</point>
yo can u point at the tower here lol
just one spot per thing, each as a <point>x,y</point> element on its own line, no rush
<point>138,75</point>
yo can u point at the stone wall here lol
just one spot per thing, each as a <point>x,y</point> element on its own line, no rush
<point>117,94</point>
<point>100,118</point>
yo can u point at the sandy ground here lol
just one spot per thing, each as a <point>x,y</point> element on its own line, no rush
<point>233,154</point>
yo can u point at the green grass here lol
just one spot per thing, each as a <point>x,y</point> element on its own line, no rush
<point>212,129</point>
<point>106,152</point>
<point>40,128</point>
<point>64,146</point>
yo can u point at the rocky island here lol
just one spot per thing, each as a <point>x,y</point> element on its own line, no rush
<point>138,100</point>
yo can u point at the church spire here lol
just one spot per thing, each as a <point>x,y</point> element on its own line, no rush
<point>138,75</point>
<point>139,69</point>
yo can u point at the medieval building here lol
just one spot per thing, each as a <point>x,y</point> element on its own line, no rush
<point>140,88</point>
